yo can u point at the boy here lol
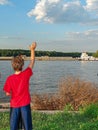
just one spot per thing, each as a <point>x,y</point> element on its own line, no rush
<point>17,86</point>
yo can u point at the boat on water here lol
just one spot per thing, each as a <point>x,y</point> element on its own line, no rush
<point>85,57</point>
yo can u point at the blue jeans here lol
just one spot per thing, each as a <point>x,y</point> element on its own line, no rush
<point>21,118</point>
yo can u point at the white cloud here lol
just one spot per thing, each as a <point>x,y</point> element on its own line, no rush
<point>3,2</point>
<point>74,42</point>
<point>44,10</point>
<point>11,37</point>
<point>92,5</point>
<point>65,11</point>
<point>89,34</point>
<point>81,41</point>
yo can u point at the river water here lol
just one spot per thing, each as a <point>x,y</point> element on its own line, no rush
<point>47,74</point>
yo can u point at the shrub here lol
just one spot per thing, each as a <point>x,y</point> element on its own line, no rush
<point>46,102</point>
<point>77,92</point>
<point>72,90</point>
<point>91,111</point>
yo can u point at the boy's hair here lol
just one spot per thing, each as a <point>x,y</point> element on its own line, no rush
<point>17,63</point>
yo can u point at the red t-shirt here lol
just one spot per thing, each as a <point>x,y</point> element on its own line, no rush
<point>18,86</point>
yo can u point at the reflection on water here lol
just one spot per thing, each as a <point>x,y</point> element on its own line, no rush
<point>47,74</point>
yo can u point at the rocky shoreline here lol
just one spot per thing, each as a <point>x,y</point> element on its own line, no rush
<point>5,107</point>
<point>42,58</point>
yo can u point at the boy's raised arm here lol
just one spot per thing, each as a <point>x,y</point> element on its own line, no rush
<point>32,58</point>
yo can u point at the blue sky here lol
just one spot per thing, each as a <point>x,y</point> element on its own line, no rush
<point>56,25</point>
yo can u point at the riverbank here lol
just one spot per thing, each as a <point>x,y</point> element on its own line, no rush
<point>42,58</point>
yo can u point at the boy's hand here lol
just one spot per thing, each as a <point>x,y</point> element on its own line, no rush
<point>8,94</point>
<point>33,46</point>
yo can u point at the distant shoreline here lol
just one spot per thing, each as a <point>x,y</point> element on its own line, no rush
<point>42,58</point>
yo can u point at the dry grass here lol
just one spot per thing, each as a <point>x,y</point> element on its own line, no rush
<point>46,102</point>
<point>72,91</point>
<point>77,92</point>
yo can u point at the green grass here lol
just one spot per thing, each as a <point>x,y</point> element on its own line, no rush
<point>85,119</point>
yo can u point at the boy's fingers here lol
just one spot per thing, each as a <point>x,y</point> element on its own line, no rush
<point>33,45</point>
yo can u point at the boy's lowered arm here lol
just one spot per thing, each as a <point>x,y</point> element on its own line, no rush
<point>32,58</point>
<point>8,94</point>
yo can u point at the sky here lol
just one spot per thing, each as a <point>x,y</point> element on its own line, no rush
<point>56,25</point>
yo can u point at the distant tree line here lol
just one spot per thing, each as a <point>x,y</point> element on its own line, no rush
<point>10,52</point>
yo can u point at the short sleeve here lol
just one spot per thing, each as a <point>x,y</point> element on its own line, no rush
<point>28,71</point>
<point>7,87</point>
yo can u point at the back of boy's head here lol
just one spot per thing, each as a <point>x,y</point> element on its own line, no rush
<point>17,63</point>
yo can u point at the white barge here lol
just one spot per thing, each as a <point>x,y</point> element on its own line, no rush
<point>84,56</point>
